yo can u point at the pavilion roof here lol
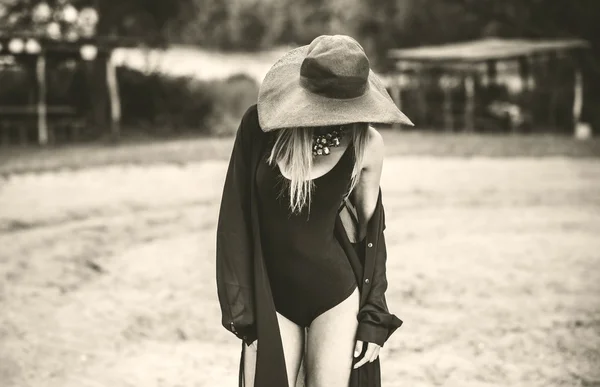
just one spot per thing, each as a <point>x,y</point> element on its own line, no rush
<point>484,49</point>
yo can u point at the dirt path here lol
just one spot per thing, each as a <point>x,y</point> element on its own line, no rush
<point>494,265</point>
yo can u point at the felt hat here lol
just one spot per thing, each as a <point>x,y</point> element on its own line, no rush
<point>328,82</point>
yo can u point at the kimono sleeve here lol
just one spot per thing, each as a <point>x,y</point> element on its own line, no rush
<point>376,323</point>
<point>234,250</point>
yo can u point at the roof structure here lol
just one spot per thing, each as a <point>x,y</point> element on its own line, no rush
<point>55,30</point>
<point>460,64</point>
<point>484,50</point>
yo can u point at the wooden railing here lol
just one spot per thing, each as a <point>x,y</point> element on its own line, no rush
<point>19,123</point>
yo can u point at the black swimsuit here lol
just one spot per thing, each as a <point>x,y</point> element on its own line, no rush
<point>308,270</point>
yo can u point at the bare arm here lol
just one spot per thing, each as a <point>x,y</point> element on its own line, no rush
<point>365,196</point>
<point>366,191</point>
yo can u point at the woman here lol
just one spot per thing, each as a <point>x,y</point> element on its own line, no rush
<point>291,283</point>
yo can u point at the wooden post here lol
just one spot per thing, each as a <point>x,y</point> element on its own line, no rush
<point>421,97</point>
<point>491,91</point>
<point>536,75</point>
<point>5,131</point>
<point>115,101</point>
<point>578,98</point>
<point>395,88</point>
<point>399,96</point>
<point>470,103</point>
<point>41,100</point>
<point>552,86</point>
<point>446,83</point>
<point>526,75</point>
<point>492,73</point>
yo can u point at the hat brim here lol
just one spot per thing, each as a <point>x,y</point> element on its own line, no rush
<point>284,103</point>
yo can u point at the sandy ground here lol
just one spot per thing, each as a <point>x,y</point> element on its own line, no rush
<point>107,275</point>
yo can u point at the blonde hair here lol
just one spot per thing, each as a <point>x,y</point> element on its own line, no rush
<point>292,150</point>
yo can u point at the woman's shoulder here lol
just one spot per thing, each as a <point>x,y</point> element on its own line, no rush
<point>249,128</point>
<point>374,138</point>
<point>250,119</point>
<point>374,150</point>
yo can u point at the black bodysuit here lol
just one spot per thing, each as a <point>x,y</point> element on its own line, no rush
<point>308,270</point>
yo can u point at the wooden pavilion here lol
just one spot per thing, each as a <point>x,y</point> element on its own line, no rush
<point>32,54</point>
<point>36,41</point>
<point>505,84</point>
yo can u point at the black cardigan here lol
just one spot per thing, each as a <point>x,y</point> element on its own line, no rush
<point>243,287</point>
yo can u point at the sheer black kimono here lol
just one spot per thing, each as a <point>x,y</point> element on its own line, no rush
<point>243,287</point>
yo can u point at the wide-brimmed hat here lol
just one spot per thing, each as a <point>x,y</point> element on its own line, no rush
<point>328,82</point>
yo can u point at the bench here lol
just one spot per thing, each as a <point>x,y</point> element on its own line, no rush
<point>20,122</point>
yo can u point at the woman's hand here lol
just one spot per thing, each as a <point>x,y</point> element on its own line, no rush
<point>371,354</point>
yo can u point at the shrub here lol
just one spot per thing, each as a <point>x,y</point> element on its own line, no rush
<point>231,99</point>
<point>166,104</point>
<point>14,88</point>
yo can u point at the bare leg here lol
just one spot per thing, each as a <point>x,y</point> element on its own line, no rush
<point>249,365</point>
<point>331,340</point>
<point>292,339</point>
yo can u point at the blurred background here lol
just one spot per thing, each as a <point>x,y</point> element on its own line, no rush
<point>116,124</point>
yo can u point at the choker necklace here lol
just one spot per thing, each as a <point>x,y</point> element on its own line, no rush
<point>322,142</point>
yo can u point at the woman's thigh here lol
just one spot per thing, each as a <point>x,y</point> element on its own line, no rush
<point>330,344</point>
<point>292,339</point>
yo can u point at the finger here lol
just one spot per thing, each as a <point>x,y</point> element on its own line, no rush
<point>371,354</point>
<point>362,361</point>
<point>375,354</point>
<point>367,357</point>
<point>358,348</point>
<point>371,350</point>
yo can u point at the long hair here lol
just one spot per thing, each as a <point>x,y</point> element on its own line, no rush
<point>292,150</point>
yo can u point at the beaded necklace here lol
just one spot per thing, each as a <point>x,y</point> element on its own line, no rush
<point>322,142</point>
